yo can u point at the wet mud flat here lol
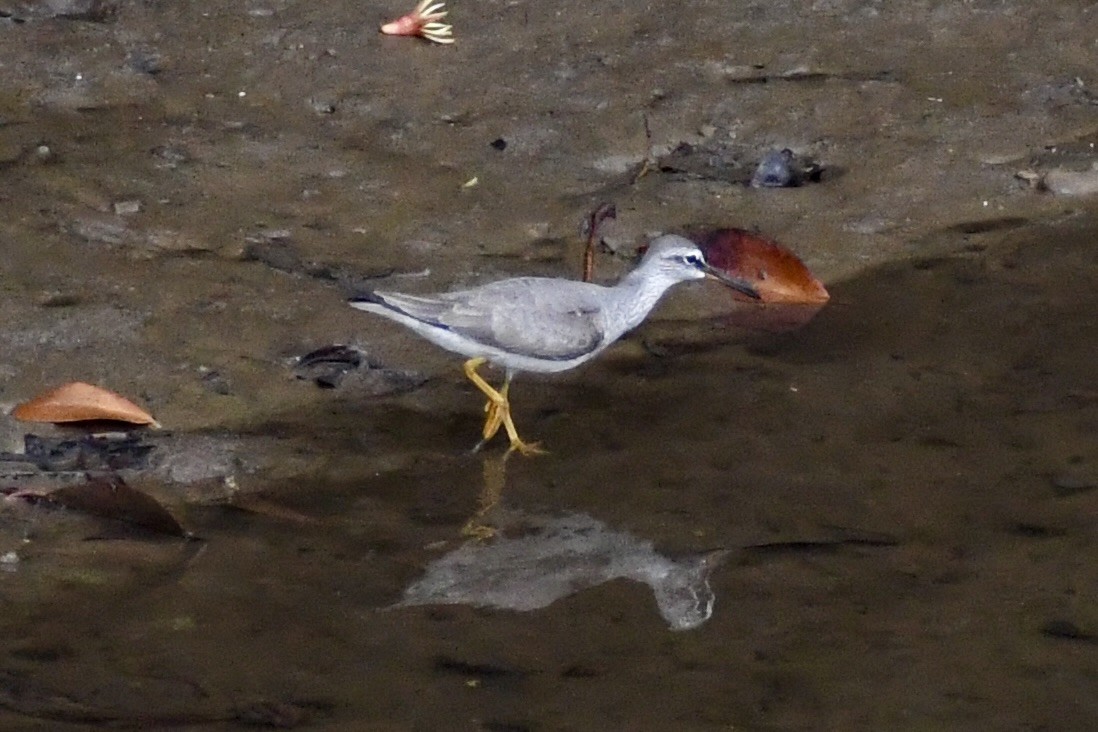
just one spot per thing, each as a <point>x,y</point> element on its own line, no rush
<point>890,512</point>
<point>903,494</point>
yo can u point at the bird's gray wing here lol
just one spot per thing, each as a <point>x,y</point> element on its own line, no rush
<point>426,308</point>
<point>528,316</point>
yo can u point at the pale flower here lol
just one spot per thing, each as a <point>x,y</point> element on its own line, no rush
<point>423,22</point>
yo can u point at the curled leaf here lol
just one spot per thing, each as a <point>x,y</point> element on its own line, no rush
<point>80,402</point>
<point>777,274</point>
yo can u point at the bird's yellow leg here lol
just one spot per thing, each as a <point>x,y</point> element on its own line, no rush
<point>497,410</point>
<point>497,400</point>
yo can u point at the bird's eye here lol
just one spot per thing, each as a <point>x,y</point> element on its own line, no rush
<point>692,259</point>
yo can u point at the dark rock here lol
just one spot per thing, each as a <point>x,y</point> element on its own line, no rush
<point>145,61</point>
<point>216,382</point>
<point>775,170</point>
<point>91,452</point>
<point>327,366</point>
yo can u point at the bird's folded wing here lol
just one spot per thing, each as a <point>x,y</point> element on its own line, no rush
<point>520,316</point>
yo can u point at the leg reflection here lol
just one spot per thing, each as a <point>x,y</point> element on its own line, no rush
<point>495,477</point>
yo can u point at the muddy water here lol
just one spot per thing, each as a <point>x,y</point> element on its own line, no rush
<point>906,488</point>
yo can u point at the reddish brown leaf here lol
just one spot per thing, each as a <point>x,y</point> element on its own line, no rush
<point>79,402</point>
<point>776,273</point>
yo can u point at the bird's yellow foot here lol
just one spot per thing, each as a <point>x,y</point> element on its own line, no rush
<point>497,412</point>
<point>528,449</point>
<point>499,415</point>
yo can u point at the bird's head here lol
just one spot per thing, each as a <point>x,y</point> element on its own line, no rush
<point>679,259</point>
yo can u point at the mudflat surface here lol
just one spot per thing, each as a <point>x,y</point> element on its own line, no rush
<point>904,490</point>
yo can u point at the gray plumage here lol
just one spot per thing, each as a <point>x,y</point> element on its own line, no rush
<point>544,324</point>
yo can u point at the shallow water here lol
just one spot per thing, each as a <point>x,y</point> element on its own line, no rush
<point>906,488</point>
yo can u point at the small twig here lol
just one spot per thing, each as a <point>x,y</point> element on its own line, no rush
<point>648,165</point>
<point>591,227</point>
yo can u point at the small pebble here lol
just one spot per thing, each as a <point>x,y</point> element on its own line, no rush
<point>537,229</point>
<point>127,208</point>
<point>99,229</point>
<point>145,62</point>
<point>170,156</point>
<point>44,154</point>
<point>215,381</point>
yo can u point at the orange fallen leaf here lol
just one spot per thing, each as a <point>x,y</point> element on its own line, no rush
<point>776,273</point>
<point>80,402</point>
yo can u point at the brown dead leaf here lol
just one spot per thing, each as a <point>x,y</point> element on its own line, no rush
<point>80,402</point>
<point>112,498</point>
<point>777,274</point>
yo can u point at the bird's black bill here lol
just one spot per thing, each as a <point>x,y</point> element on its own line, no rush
<point>737,284</point>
